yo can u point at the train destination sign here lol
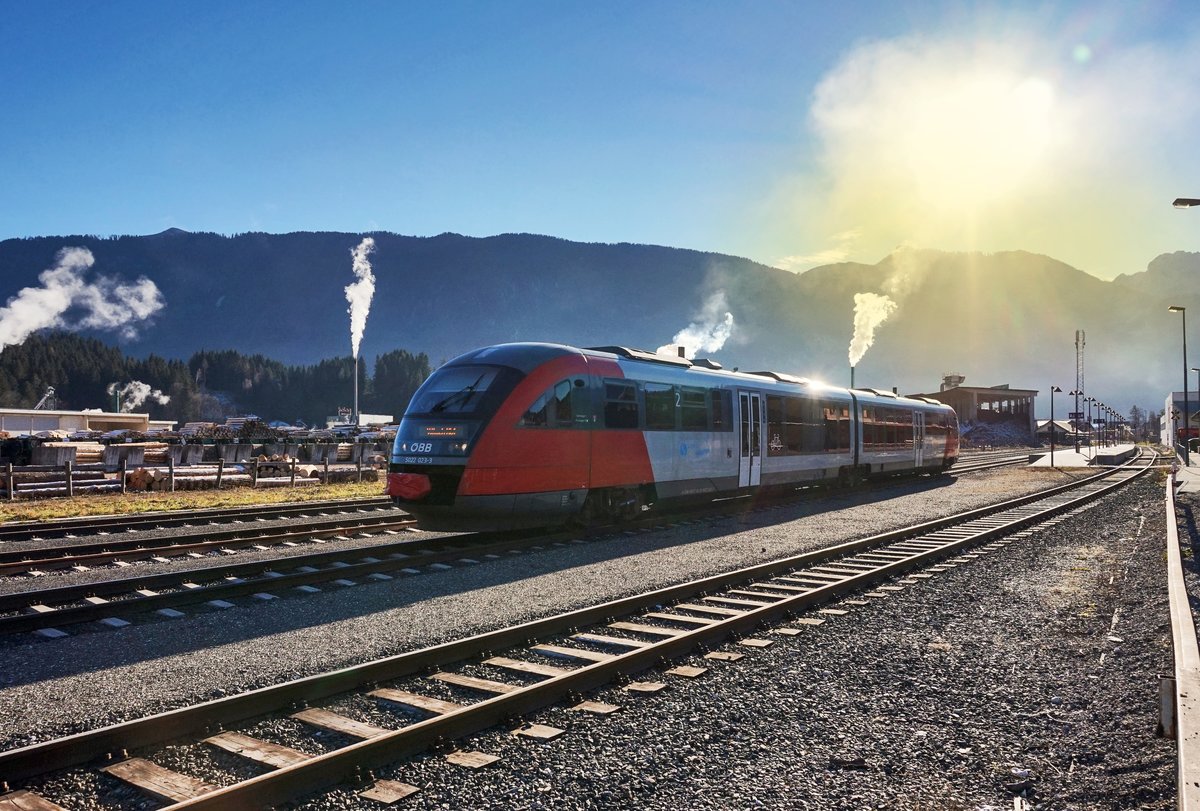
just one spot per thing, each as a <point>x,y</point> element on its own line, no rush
<point>447,431</point>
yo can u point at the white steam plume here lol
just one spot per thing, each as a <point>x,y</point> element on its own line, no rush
<point>105,303</point>
<point>870,310</point>
<point>134,393</point>
<point>360,293</point>
<point>708,333</point>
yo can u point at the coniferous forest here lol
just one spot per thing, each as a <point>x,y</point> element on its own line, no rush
<point>211,385</point>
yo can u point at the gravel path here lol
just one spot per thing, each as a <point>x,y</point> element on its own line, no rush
<point>988,668</point>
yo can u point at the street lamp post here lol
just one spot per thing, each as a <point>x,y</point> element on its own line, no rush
<point>1187,461</point>
<point>1091,447</point>
<point>1185,425</point>
<point>1053,389</point>
<point>1076,393</point>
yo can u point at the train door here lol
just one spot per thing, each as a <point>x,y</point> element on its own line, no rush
<point>750,435</point>
<point>919,438</point>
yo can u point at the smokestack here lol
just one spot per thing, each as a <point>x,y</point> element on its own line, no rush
<point>851,377</point>
<point>682,352</point>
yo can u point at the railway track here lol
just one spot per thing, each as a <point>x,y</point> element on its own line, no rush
<point>97,525</point>
<point>110,602</point>
<point>114,602</point>
<point>501,675</point>
<point>990,459</point>
<point>196,543</point>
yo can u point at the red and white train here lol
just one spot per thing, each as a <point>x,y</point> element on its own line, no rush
<point>532,434</point>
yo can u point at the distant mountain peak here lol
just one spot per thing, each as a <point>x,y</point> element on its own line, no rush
<point>171,232</point>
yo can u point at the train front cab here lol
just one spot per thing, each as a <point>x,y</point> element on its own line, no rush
<point>521,455</point>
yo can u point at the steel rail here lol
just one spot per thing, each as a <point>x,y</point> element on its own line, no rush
<point>25,530</point>
<point>86,746</point>
<point>251,578</point>
<point>61,557</point>
<point>971,465</point>
<point>1187,668</point>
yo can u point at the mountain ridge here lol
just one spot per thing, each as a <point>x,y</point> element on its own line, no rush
<point>1008,316</point>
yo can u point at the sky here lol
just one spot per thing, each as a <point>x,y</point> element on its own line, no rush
<point>795,134</point>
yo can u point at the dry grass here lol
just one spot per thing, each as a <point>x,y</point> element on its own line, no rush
<point>117,504</point>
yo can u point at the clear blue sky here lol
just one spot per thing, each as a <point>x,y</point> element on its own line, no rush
<point>790,133</point>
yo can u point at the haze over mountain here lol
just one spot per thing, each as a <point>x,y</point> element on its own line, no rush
<point>997,318</point>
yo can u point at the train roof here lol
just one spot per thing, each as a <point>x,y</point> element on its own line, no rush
<point>527,356</point>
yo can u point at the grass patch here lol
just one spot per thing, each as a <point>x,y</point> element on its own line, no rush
<point>118,504</point>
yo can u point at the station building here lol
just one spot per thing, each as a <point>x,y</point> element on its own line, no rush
<point>989,404</point>
<point>1172,423</point>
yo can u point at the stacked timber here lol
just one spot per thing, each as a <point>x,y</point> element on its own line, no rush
<point>35,477</point>
<point>86,453</point>
<point>194,477</point>
<point>285,481</point>
<point>345,474</point>
<point>276,464</point>
<point>44,483</point>
<point>89,453</point>
<point>156,452</point>
<point>59,488</point>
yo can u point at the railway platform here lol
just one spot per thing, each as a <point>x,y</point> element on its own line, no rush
<point>1068,457</point>
<point>1187,479</point>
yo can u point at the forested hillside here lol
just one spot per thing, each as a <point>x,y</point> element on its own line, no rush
<point>211,385</point>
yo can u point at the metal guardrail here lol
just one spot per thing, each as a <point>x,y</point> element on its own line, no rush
<point>1182,718</point>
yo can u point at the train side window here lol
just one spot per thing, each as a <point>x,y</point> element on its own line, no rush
<point>552,410</point>
<point>660,406</point>
<point>722,410</point>
<point>871,430</point>
<point>775,427</point>
<point>837,426</point>
<point>693,409</point>
<point>620,404</point>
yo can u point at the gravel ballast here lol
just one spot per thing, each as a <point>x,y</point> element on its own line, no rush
<point>986,669</point>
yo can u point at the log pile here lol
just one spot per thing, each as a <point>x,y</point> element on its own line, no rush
<point>277,464</point>
<point>59,488</point>
<point>342,475</point>
<point>156,452</point>
<point>195,477</point>
<point>23,477</point>
<point>33,484</point>
<point>284,481</point>
<point>86,453</point>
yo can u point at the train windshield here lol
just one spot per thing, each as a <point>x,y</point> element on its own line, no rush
<point>462,391</point>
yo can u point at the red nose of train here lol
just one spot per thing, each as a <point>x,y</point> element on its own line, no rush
<point>408,486</point>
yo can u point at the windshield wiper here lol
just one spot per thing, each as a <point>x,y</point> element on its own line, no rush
<point>444,403</point>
